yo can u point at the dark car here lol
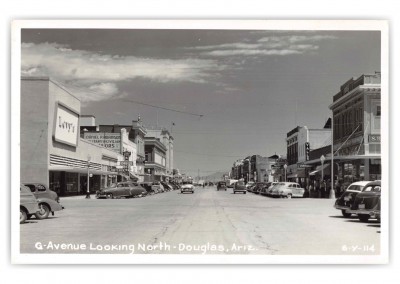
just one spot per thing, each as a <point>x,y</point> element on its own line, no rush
<point>221,185</point>
<point>264,188</point>
<point>240,186</point>
<point>122,189</point>
<point>344,202</point>
<point>147,187</point>
<point>258,187</point>
<point>167,186</point>
<point>48,200</point>
<point>367,203</point>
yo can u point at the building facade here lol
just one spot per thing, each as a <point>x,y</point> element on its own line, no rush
<point>356,112</point>
<point>52,151</point>
<point>155,163</point>
<point>165,137</point>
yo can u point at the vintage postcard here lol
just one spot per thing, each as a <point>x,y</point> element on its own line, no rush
<point>200,142</point>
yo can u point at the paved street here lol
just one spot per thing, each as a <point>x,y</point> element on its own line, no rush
<point>208,221</point>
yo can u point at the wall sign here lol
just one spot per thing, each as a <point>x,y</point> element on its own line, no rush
<point>111,141</point>
<point>66,125</point>
<point>374,138</point>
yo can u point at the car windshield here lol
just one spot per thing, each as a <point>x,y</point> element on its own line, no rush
<point>372,188</point>
<point>355,187</point>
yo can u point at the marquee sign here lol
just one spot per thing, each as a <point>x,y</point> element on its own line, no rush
<point>112,141</point>
<point>66,125</point>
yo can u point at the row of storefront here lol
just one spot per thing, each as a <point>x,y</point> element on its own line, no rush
<point>355,153</point>
<point>61,150</point>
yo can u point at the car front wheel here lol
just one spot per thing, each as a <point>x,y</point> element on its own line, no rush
<point>345,214</point>
<point>22,216</point>
<point>43,212</point>
<point>109,196</point>
<point>289,196</point>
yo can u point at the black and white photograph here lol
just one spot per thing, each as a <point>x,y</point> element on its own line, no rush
<point>200,142</point>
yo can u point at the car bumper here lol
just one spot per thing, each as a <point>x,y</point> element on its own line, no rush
<point>360,211</point>
<point>341,207</point>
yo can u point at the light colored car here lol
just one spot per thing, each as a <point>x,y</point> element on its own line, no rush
<point>250,183</point>
<point>187,188</point>
<point>28,204</point>
<point>344,202</point>
<point>157,187</point>
<point>288,190</point>
<point>49,202</point>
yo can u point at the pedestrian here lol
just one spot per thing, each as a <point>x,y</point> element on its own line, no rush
<point>323,188</point>
<point>337,189</point>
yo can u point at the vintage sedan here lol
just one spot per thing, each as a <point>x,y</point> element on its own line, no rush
<point>157,187</point>
<point>122,189</point>
<point>48,200</point>
<point>344,202</point>
<point>28,204</point>
<point>367,203</point>
<point>221,185</point>
<point>240,186</point>
<point>288,190</point>
<point>187,188</point>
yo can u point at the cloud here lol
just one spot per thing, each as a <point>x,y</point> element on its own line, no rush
<point>279,45</point>
<point>99,73</point>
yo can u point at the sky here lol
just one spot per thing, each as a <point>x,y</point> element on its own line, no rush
<point>236,92</point>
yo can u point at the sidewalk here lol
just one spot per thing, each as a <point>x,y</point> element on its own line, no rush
<point>92,196</point>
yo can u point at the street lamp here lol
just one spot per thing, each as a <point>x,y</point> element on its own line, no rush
<point>285,166</point>
<point>88,176</point>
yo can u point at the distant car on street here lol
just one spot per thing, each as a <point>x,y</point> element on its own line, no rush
<point>28,204</point>
<point>288,190</point>
<point>367,203</point>
<point>240,186</point>
<point>264,188</point>
<point>257,188</point>
<point>48,200</point>
<point>122,189</point>
<point>344,202</point>
<point>268,191</point>
<point>221,185</point>
<point>187,188</point>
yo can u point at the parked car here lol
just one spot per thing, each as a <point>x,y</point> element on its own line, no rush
<point>166,186</point>
<point>28,204</point>
<point>122,189</point>
<point>49,202</point>
<point>258,187</point>
<point>240,186</point>
<point>288,190</point>
<point>268,191</point>
<point>187,188</point>
<point>250,183</point>
<point>221,185</point>
<point>344,202</point>
<point>147,187</point>
<point>251,187</point>
<point>264,188</point>
<point>157,187</point>
<point>367,203</point>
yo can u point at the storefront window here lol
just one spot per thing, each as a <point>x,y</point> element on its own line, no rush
<point>71,180</point>
<point>54,182</point>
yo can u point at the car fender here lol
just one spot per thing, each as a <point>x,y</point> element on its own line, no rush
<point>54,205</point>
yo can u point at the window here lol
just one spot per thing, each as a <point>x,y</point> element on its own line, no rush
<point>40,187</point>
<point>378,110</point>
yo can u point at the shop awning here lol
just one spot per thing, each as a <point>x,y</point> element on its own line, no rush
<point>78,170</point>
<point>319,169</point>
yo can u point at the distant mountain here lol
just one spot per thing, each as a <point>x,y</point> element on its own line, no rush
<point>215,176</point>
